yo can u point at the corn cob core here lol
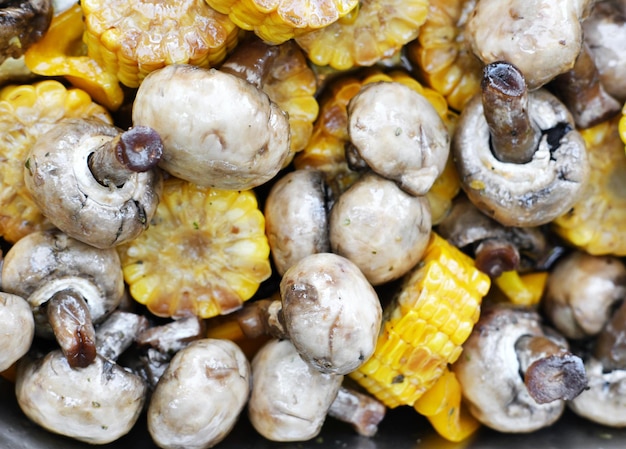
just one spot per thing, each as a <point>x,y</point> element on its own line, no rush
<point>277,21</point>
<point>595,222</point>
<point>26,112</point>
<point>425,325</point>
<point>132,38</point>
<point>204,253</point>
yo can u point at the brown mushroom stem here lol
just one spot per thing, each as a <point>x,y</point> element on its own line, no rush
<point>134,151</point>
<point>550,371</point>
<point>363,412</point>
<point>514,138</point>
<point>70,319</point>
<point>262,317</point>
<point>583,94</point>
<point>251,61</point>
<point>494,256</point>
<point>610,344</point>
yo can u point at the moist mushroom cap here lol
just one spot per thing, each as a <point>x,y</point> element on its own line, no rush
<point>22,23</point>
<point>18,329</point>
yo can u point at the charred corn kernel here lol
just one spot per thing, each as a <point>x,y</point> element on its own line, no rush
<point>442,55</point>
<point>376,31</point>
<point>26,112</point>
<point>622,125</point>
<point>131,38</point>
<point>205,252</point>
<point>277,21</point>
<point>60,53</point>
<point>524,290</point>
<point>425,325</point>
<point>443,406</point>
<point>595,222</point>
<point>325,150</point>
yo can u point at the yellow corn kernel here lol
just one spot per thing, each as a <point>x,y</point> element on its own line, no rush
<point>131,38</point>
<point>205,252</point>
<point>26,112</point>
<point>594,223</point>
<point>376,31</point>
<point>622,126</point>
<point>425,325</point>
<point>523,290</point>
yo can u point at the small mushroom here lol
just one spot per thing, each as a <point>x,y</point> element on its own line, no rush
<point>296,217</point>
<point>218,130</point>
<point>541,37</point>
<point>398,134</point>
<point>519,157</point>
<point>380,228</point>
<point>200,396</point>
<point>97,184</point>
<point>581,292</point>
<point>17,329</point>
<point>22,23</point>
<point>69,285</point>
<point>515,375</point>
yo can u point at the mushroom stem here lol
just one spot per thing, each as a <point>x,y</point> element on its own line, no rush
<point>70,319</point>
<point>550,371</point>
<point>134,151</point>
<point>363,412</point>
<point>514,138</point>
<point>494,256</point>
<point>251,61</point>
<point>610,345</point>
<point>262,317</point>
<point>118,333</point>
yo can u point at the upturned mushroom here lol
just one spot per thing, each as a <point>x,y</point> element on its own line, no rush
<point>69,285</point>
<point>200,396</point>
<point>398,134</point>
<point>22,23</point>
<point>380,228</point>
<point>515,374</point>
<point>94,182</point>
<point>17,329</point>
<point>518,154</point>
<point>218,130</point>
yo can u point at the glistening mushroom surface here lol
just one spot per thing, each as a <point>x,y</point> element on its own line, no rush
<point>17,329</point>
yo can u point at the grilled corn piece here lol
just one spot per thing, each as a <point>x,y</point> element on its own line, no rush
<point>26,112</point>
<point>280,20</point>
<point>425,325</point>
<point>375,30</point>
<point>441,54</point>
<point>205,252</point>
<point>522,289</point>
<point>131,38</point>
<point>622,125</point>
<point>595,222</point>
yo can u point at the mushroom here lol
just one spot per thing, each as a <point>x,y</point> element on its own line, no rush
<point>69,285</point>
<point>373,204</point>
<point>515,374</point>
<point>17,329</point>
<point>581,292</point>
<point>200,396</point>
<point>519,157</point>
<point>97,184</point>
<point>296,217</point>
<point>541,37</point>
<point>96,404</point>
<point>218,130</point>
<point>398,134</point>
<point>22,23</point>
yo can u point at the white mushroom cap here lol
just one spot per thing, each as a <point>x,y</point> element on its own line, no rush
<point>200,395</point>
<point>217,129</point>
<point>17,329</point>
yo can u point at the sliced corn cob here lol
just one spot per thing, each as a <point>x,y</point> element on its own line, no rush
<point>26,112</point>
<point>595,222</point>
<point>61,53</point>
<point>277,21</point>
<point>425,325</point>
<point>442,55</point>
<point>522,289</point>
<point>131,38</point>
<point>374,31</point>
<point>622,126</point>
<point>205,252</point>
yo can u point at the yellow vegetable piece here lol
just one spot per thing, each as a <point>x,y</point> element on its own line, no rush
<point>61,53</point>
<point>425,325</point>
<point>523,290</point>
<point>205,252</point>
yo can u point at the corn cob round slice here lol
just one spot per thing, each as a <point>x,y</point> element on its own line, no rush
<point>26,112</point>
<point>595,222</point>
<point>425,325</point>
<point>441,54</point>
<point>132,38</point>
<point>205,252</point>
<point>277,21</point>
<point>374,31</point>
<point>622,126</point>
